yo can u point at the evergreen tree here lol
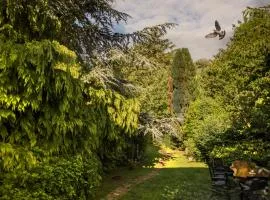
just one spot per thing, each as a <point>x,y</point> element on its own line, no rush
<point>170,94</point>
<point>182,72</point>
<point>84,26</point>
<point>55,127</point>
<point>146,65</point>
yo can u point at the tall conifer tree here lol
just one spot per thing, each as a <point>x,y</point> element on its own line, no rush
<point>182,72</point>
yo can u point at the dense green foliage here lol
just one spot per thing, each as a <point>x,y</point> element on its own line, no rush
<point>43,114</point>
<point>47,111</point>
<point>61,127</point>
<point>85,27</point>
<point>146,65</point>
<point>182,73</point>
<point>61,178</point>
<point>143,71</point>
<point>38,97</point>
<point>82,26</point>
<point>230,117</point>
<point>115,122</point>
<point>55,127</point>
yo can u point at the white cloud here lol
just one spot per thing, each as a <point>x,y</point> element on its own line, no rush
<point>195,18</point>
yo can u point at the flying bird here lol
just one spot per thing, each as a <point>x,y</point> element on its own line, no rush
<point>217,32</point>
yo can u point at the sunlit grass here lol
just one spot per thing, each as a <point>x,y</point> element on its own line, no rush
<point>125,175</point>
<point>178,179</point>
<point>180,161</point>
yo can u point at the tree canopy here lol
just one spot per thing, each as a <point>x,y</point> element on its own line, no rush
<point>61,127</point>
<point>231,114</point>
<point>53,123</point>
<point>86,27</point>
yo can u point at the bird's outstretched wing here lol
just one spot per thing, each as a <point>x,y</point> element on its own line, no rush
<point>222,35</point>
<point>217,25</point>
<point>211,35</point>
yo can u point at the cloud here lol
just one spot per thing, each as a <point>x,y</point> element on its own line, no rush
<point>195,18</point>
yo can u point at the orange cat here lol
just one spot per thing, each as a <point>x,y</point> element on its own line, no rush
<point>242,168</point>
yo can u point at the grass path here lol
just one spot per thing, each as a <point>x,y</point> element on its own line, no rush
<point>123,189</point>
<point>177,178</point>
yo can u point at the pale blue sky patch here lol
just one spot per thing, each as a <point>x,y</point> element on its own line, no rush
<point>195,18</point>
<point>119,28</point>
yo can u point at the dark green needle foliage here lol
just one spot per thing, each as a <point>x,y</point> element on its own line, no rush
<point>86,27</point>
<point>83,26</point>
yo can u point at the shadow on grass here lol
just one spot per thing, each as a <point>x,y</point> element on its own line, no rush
<point>180,184</point>
<point>179,179</point>
<point>154,155</point>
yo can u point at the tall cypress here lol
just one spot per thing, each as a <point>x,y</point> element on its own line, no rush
<point>182,72</point>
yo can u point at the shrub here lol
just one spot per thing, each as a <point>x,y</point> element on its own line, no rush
<point>59,178</point>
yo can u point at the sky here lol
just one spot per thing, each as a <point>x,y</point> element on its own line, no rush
<point>195,19</point>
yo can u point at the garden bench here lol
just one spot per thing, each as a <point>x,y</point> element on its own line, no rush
<point>219,174</point>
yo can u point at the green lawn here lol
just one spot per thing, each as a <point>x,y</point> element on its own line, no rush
<point>178,178</point>
<point>127,176</point>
